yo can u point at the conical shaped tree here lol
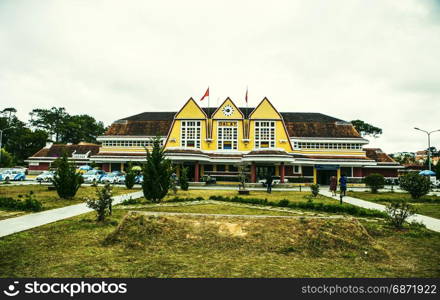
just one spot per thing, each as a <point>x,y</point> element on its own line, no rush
<point>66,180</point>
<point>157,172</point>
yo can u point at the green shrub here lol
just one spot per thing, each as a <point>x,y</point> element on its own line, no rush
<point>183,179</point>
<point>375,182</point>
<point>157,173</point>
<point>102,205</point>
<point>309,205</point>
<point>415,184</point>
<point>398,212</point>
<point>131,201</point>
<point>130,177</point>
<point>314,188</point>
<point>283,203</point>
<point>29,203</point>
<point>66,180</point>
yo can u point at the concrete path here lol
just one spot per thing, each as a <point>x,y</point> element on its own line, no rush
<point>430,223</point>
<point>13,225</point>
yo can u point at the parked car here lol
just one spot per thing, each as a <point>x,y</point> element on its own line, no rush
<point>139,179</point>
<point>93,176</point>
<point>46,176</point>
<point>275,180</point>
<point>113,177</point>
<point>12,175</point>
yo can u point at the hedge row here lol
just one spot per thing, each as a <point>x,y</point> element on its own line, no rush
<point>318,206</point>
<point>29,204</point>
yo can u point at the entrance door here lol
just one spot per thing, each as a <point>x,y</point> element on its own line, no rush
<point>324,176</point>
<point>264,171</point>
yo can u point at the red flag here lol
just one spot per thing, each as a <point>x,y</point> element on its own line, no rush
<point>246,97</point>
<point>206,94</point>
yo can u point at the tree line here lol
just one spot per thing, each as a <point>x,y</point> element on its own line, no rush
<point>23,139</point>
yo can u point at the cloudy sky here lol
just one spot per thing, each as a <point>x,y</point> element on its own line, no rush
<point>374,60</point>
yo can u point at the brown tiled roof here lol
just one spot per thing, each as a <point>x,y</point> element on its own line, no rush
<point>320,129</point>
<point>57,150</point>
<point>378,155</point>
<point>148,128</point>
<point>298,124</point>
<point>190,151</point>
<point>267,152</point>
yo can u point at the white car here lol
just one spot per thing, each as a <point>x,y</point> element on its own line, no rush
<point>113,177</point>
<point>275,180</point>
<point>93,176</point>
<point>12,175</point>
<point>46,176</point>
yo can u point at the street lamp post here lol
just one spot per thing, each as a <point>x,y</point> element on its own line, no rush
<point>429,143</point>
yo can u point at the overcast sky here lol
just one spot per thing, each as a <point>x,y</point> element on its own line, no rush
<point>378,61</point>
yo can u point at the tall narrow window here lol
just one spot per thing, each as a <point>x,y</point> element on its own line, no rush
<point>190,134</point>
<point>227,135</point>
<point>264,134</point>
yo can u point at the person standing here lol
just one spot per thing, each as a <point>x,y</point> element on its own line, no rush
<point>343,185</point>
<point>269,181</point>
<point>333,185</point>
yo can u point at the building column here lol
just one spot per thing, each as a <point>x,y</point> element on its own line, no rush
<point>277,171</point>
<point>253,173</point>
<point>214,168</point>
<point>178,170</point>
<point>282,172</point>
<point>202,170</point>
<point>338,174</point>
<point>196,172</point>
<point>315,175</point>
<point>122,167</point>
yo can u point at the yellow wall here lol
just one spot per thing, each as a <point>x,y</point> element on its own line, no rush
<point>264,111</point>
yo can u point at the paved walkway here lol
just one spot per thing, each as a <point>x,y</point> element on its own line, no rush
<point>13,225</point>
<point>430,223</point>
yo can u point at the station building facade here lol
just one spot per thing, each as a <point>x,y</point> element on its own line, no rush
<point>297,147</point>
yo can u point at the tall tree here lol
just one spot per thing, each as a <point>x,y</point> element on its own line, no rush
<point>81,128</point>
<point>157,173</point>
<point>50,120</point>
<point>18,139</point>
<point>67,128</point>
<point>66,180</point>
<point>366,129</point>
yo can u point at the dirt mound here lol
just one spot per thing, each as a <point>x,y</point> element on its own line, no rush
<point>296,236</point>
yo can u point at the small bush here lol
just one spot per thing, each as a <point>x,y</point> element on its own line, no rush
<point>415,184</point>
<point>102,205</point>
<point>309,205</point>
<point>375,182</point>
<point>66,180</point>
<point>314,188</point>
<point>183,179</point>
<point>131,201</point>
<point>29,203</point>
<point>130,177</point>
<point>398,212</point>
<point>283,203</point>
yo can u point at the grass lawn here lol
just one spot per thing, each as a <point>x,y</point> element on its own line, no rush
<point>426,205</point>
<point>133,245</point>
<point>274,196</point>
<point>49,199</point>
<point>221,209</point>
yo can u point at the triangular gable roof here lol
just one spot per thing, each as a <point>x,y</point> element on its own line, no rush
<point>223,103</point>
<point>193,103</point>
<point>265,101</point>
